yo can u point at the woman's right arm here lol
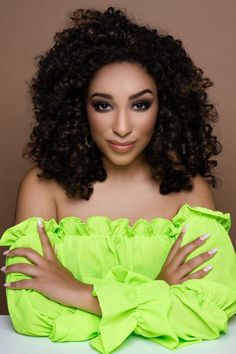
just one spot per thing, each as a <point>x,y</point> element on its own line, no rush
<point>31,312</point>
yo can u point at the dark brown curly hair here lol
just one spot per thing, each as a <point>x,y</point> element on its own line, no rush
<point>61,144</point>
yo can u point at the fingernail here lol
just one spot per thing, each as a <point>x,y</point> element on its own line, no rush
<point>184,229</point>
<point>204,237</point>
<point>40,223</point>
<point>206,269</point>
<point>6,252</point>
<point>7,284</point>
<point>3,269</point>
<point>213,250</point>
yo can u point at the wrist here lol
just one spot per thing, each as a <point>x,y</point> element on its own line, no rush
<point>84,299</point>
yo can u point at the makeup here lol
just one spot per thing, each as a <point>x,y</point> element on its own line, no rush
<point>121,148</point>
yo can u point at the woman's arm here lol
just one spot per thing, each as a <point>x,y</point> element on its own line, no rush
<point>35,197</point>
<point>201,194</point>
<point>86,301</point>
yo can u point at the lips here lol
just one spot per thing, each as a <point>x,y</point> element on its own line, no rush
<point>122,148</point>
<point>116,142</point>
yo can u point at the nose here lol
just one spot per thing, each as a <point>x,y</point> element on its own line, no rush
<point>122,125</point>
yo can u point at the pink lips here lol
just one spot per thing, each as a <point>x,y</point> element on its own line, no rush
<point>121,148</point>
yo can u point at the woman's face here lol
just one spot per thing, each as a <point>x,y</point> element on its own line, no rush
<point>113,114</point>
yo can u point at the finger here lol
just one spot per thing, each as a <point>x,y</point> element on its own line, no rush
<point>199,274</point>
<point>48,250</point>
<point>195,262</point>
<point>184,251</point>
<point>21,284</point>
<point>28,269</point>
<point>177,244</point>
<point>28,253</point>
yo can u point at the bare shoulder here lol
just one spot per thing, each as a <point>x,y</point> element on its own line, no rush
<point>201,195</point>
<point>35,197</point>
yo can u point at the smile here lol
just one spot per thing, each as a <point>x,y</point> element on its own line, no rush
<point>121,148</point>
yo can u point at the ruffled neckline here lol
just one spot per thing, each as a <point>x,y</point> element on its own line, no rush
<point>103,226</point>
<point>181,212</point>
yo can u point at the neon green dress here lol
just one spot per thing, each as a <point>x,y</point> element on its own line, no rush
<point>122,262</point>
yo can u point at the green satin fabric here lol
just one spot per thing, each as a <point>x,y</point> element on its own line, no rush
<point>122,263</point>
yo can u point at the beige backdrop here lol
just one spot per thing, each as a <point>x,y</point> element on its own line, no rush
<point>207,29</point>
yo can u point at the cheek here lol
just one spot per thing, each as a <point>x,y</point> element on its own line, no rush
<point>96,124</point>
<point>147,126</point>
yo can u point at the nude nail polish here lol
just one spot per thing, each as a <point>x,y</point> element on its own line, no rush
<point>213,250</point>
<point>40,223</point>
<point>6,252</point>
<point>186,226</point>
<point>204,237</point>
<point>206,269</point>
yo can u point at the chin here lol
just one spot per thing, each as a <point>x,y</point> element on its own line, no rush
<point>121,159</point>
<point>124,158</point>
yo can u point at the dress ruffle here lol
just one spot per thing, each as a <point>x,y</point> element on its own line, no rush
<point>102,226</point>
<point>173,316</point>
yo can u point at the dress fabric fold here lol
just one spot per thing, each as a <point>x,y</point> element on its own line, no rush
<point>122,263</point>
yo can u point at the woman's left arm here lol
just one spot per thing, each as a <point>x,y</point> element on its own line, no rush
<point>171,315</point>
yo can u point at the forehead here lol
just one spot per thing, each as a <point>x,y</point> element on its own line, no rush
<point>124,76</point>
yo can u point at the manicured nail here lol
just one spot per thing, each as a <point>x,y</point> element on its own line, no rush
<point>206,269</point>
<point>204,237</point>
<point>6,252</point>
<point>7,284</point>
<point>40,223</point>
<point>213,250</point>
<point>186,226</point>
<point>3,269</point>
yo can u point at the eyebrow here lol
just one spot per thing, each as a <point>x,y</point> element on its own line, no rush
<point>140,93</point>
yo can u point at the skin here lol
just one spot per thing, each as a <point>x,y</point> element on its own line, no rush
<point>121,119</point>
<point>175,270</point>
<point>50,277</point>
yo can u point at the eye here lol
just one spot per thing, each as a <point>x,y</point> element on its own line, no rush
<point>99,104</point>
<point>144,104</point>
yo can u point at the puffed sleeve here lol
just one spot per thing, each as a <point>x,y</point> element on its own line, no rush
<point>172,315</point>
<point>31,312</point>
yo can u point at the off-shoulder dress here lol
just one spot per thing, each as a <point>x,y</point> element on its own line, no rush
<point>122,262</point>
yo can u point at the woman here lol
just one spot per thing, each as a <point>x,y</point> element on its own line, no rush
<point>122,146</point>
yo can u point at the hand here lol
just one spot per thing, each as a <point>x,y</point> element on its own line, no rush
<point>49,276</point>
<point>175,271</point>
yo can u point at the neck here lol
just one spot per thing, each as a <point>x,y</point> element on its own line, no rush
<point>137,171</point>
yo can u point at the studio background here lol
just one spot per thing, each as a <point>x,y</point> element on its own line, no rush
<point>207,29</point>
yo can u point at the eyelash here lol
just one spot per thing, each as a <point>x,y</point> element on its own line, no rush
<point>146,103</point>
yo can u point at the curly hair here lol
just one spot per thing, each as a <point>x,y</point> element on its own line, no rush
<point>60,142</point>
